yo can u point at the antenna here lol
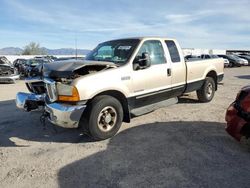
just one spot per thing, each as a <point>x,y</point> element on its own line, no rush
<point>76,46</point>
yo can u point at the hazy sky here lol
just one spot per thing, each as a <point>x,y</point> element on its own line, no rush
<point>221,24</point>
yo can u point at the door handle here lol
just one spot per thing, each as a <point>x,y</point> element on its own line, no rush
<point>169,72</point>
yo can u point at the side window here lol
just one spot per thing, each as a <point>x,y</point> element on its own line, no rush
<point>155,50</point>
<point>173,51</point>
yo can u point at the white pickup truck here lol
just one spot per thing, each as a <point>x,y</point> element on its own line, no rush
<point>118,80</point>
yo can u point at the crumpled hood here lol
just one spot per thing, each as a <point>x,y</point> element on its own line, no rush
<point>65,69</point>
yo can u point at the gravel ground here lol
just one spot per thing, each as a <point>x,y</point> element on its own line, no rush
<point>184,145</point>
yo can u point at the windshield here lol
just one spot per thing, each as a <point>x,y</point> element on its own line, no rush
<point>214,56</point>
<point>116,51</point>
<point>22,61</point>
<point>235,57</point>
<point>35,62</point>
<point>245,56</point>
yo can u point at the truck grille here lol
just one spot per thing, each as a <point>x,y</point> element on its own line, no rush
<point>51,89</point>
<point>36,87</point>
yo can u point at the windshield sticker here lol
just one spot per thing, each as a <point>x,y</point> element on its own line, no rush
<point>124,47</point>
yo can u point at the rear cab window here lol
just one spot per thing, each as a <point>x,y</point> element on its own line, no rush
<point>173,51</point>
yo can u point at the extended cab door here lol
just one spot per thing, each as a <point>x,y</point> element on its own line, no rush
<point>151,84</point>
<point>178,68</point>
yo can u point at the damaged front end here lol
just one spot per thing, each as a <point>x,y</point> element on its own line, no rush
<point>60,113</point>
<point>54,93</point>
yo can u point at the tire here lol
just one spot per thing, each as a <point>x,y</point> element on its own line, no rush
<point>105,117</point>
<point>230,64</point>
<point>206,92</point>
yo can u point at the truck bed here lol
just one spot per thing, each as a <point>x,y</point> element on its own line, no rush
<point>197,71</point>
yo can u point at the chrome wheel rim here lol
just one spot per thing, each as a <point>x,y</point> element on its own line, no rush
<point>107,119</point>
<point>209,90</point>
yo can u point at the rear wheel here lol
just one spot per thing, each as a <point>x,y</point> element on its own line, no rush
<point>105,117</point>
<point>206,92</point>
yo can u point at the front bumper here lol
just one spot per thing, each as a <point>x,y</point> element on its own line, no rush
<point>63,115</point>
<point>29,101</point>
<point>245,62</point>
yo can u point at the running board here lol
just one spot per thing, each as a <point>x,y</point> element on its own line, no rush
<point>152,107</point>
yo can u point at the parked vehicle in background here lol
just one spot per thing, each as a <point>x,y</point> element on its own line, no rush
<point>19,64</point>
<point>246,57</point>
<point>207,56</point>
<point>191,57</point>
<point>7,71</point>
<point>118,80</point>
<point>234,61</point>
<point>212,56</point>
<point>226,62</point>
<point>238,115</point>
<point>32,66</point>
<point>48,57</point>
<point>6,68</point>
<point>242,61</point>
<point>65,58</point>
<point>247,54</point>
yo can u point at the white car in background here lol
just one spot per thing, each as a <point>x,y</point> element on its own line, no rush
<point>226,62</point>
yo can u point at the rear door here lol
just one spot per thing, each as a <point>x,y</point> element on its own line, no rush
<point>152,84</point>
<point>178,68</point>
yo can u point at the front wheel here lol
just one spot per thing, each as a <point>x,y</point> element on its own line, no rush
<point>206,92</point>
<point>105,117</point>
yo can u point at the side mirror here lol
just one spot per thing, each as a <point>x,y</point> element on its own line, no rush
<point>142,62</point>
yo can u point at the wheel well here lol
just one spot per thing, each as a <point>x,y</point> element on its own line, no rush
<point>123,100</point>
<point>212,74</point>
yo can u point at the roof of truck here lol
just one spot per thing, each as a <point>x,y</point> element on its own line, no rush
<point>145,37</point>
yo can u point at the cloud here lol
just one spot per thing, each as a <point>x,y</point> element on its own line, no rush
<point>210,24</point>
<point>30,13</point>
<point>186,18</point>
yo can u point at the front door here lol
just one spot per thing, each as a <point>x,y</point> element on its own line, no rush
<point>152,84</point>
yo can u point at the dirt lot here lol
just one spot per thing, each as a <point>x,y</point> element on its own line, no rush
<point>184,145</point>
